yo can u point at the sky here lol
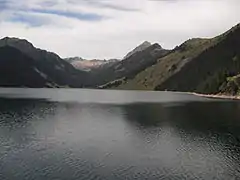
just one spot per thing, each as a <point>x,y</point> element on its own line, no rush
<point>104,29</point>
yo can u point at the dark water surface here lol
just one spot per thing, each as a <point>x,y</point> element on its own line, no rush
<point>117,135</point>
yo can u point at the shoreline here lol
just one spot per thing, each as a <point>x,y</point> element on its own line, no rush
<point>217,96</point>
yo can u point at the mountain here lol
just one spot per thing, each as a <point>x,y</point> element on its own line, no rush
<point>166,66</point>
<point>141,47</point>
<point>19,70</point>
<point>129,66</point>
<point>211,71</point>
<point>88,65</point>
<point>49,66</point>
<point>73,59</point>
<point>55,72</point>
<point>208,66</point>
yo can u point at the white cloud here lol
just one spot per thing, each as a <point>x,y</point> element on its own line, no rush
<point>124,24</point>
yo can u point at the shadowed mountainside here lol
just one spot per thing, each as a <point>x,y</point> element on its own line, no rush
<point>51,65</point>
<point>18,70</point>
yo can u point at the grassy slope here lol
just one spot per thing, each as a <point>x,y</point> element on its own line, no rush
<point>208,72</point>
<point>200,65</point>
<point>231,86</point>
<point>167,66</point>
<point>128,67</point>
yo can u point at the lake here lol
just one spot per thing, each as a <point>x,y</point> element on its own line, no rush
<point>64,134</point>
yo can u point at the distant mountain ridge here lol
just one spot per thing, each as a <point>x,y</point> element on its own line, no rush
<point>88,65</point>
<point>73,59</point>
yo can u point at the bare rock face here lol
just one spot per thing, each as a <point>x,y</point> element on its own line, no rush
<point>88,65</point>
<point>141,47</point>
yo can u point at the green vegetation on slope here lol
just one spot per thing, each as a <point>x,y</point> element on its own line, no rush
<point>128,67</point>
<point>167,66</point>
<point>209,71</point>
<point>231,86</point>
<point>198,65</point>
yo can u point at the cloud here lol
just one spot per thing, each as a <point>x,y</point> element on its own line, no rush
<point>110,28</point>
<point>31,20</point>
<point>3,5</point>
<point>43,7</point>
<point>108,5</point>
<point>70,14</point>
<point>47,3</point>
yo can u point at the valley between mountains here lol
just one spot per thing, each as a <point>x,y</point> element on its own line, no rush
<point>207,66</point>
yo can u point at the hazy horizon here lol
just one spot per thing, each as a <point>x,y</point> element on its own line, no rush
<point>106,29</point>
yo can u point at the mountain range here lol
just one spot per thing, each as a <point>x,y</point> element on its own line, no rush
<point>88,65</point>
<point>209,66</point>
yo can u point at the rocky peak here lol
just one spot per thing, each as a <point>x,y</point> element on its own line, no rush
<point>73,59</point>
<point>141,47</point>
<point>145,43</point>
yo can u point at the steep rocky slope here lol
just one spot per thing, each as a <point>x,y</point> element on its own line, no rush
<point>139,48</point>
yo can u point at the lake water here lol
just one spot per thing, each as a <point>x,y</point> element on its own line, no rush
<point>48,134</point>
